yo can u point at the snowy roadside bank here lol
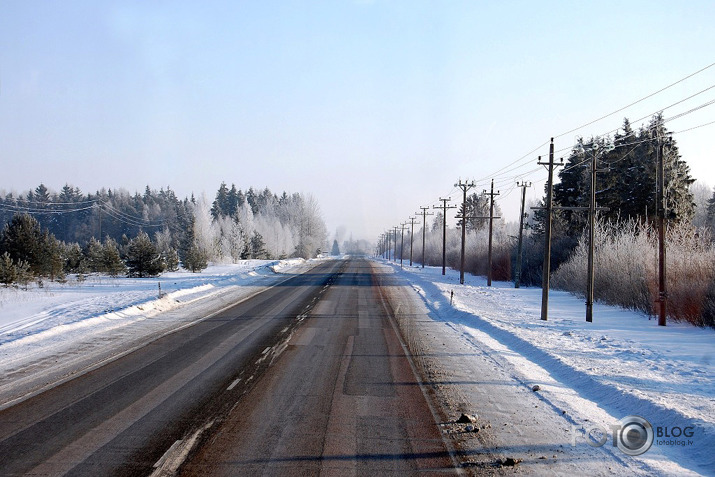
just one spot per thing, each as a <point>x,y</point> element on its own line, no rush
<point>50,334</point>
<point>589,375</point>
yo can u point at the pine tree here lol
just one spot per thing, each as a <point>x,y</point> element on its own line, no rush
<point>8,270</point>
<point>143,260</point>
<point>171,259</point>
<point>112,262</point>
<point>22,239</point>
<point>336,248</point>
<point>75,261</point>
<point>94,254</point>
<point>195,259</point>
<point>52,261</point>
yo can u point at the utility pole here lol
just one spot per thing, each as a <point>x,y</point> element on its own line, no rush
<point>591,208</point>
<point>662,205</point>
<point>402,241</point>
<point>522,216</point>
<point>592,235</point>
<point>465,186</point>
<point>387,234</point>
<point>394,256</point>
<point>547,231</point>
<point>412,234</point>
<point>424,230</point>
<point>491,229</point>
<point>444,207</point>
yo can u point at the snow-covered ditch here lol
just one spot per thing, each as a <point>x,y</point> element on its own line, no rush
<point>51,333</point>
<point>589,375</point>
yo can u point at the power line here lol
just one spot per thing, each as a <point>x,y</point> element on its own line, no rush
<point>635,102</point>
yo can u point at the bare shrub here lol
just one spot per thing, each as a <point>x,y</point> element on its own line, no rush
<point>626,269</point>
<point>690,271</point>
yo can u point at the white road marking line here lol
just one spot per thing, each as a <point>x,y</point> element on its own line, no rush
<point>233,384</point>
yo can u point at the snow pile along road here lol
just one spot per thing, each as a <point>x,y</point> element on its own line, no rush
<point>50,334</point>
<point>591,374</point>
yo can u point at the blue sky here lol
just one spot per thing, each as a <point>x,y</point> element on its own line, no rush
<point>374,107</point>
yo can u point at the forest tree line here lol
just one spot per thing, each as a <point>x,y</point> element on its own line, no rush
<point>50,234</point>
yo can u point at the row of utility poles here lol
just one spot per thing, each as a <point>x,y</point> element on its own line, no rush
<point>384,243</point>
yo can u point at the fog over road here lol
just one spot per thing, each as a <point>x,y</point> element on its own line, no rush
<point>308,377</point>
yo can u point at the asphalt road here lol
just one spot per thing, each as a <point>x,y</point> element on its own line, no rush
<point>342,399</point>
<point>306,378</point>
<point>121,419</point>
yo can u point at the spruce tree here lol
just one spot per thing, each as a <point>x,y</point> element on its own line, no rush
<point>336,249</point>
<point>626,182</point>
<point>258,246</point>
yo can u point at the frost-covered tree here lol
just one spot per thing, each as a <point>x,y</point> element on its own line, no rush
<point>168,253</point>
<point>193,257</point>
<point>711,211</point>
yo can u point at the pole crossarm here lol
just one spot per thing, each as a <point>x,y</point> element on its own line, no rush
<point>547,230</point>
<point>465,186</point>
<point>491,230</point>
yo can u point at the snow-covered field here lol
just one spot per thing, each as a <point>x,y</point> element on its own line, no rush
<point>51,333</point>
<point>590,375</point>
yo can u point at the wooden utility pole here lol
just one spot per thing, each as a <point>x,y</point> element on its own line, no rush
<point>547,231</point>
<point>662,206</point>
<point>491,229</point>
<point>465,186</point>
<point>394,256</point>
<point>424,229</point>
<point>444,207</point>
<point>412,234</point>
<point>591,236</point>
<point>522,216</point>
<point>402,242</point>
<point>387,234</point>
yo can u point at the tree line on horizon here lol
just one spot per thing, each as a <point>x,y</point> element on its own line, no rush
<point>49,235</point>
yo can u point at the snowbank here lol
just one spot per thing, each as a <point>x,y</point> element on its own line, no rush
<point>621,364</point>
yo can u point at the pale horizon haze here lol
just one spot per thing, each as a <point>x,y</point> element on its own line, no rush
<point>374,107</point>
